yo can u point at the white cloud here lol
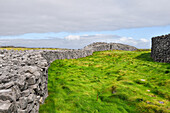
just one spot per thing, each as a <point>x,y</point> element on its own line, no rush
<point>76,41</point>
<point>128,40</point>
<point>72,37</point>
<point>144,40</point>
<point>37,16</point>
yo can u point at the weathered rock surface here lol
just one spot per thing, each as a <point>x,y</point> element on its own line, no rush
<point>24,74</point>
<point>21,79</point>
<point>161,48</point>
<point>102,46</point>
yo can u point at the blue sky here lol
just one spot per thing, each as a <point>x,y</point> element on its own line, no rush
<point>136,33</point>
<point>76,23</point>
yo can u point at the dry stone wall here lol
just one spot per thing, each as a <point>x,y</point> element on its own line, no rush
<point>161,48</point>
<point>24,75</point>
<point>23,81</point>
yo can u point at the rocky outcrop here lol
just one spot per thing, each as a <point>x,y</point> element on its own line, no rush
<point>24,74</point>
<point>102,46</point>
<point>161,48</point>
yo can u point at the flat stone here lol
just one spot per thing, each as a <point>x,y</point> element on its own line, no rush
<point>29,107</point>
<point>17,91</point>
<point>7,94</point>
<point>31,98</point>
<point>31,80</point>
<point>22,111</point>
<point>6,107</point>
<point>32,69</point>
<point>41,100</point>
<point>5,90</point>
<point>37,74</point>
<point>25,93</point>
<point>35,86</point>
<point>7,85</point>
<point>23,102</point>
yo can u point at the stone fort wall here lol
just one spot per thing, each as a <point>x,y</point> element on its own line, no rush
<point>161,48</point>
<point>24,74</point>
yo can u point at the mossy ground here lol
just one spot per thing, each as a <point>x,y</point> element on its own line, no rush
<point>108,82</point>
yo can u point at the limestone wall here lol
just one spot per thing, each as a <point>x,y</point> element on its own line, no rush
<point>50,56</point>
<point>24,75</point>
<point>23,81</point>
<point>161,48</point>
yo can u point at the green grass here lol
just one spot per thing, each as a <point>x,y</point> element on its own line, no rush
<point>108,82</point>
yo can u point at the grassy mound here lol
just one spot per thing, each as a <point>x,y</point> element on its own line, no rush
<point>108,82</point>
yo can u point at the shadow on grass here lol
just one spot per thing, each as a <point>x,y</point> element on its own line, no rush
<point>145,57</point>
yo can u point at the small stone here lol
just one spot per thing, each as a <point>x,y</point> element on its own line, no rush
<point>148,102</point>
<point>35,86</point>
<point>5,91</point>
<point>17,91</point>
<point>161,102</point>
<point>4,95</point>
<point>32,69</point>
<point>21,82</point>
<point>41,100</point>
<point>142,79</point>
<point>6,107</point>
<point>31,80</point>
<point>27,75</point>
<point>29,107</point>
<point>22,64</point>
<point>38,97</point>
<point>113,92</point>
<point>37,74</point>
<point>23,102</point>
<point>22,111</point>
<point>31,98</point>
<point>25,93</point>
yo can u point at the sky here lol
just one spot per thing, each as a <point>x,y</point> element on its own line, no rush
<point>76,23</point>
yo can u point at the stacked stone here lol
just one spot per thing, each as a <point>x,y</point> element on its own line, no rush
<point>24,76</point>
<point>102,46</point>
<point>161,48</point>
<point>50,56</point>
<point>117,46</point>
<point>23,81</point>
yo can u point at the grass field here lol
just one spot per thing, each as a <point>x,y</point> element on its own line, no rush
<point>108,82</point>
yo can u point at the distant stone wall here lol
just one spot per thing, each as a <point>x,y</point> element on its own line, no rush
<point>102,46</point>
<point>50,56</point>
<point>24,75</point>
<point>161,48</point>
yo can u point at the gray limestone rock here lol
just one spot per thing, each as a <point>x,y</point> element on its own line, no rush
<point>7,107</point>
<point>31,80</point>
<point>22,111</point>
<point>16,91</point>
<point>8,95</point>
<point>25,93</point>
<point>31,98</point>
<point>161,48</point>
<point>23,102</point>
